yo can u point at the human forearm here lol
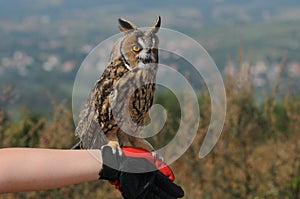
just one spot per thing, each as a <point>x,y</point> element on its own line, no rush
<point>25,169</point>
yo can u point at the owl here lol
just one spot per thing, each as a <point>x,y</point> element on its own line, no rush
<point>120,100</point>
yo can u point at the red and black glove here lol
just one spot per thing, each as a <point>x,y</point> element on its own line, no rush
<point>138,175</point>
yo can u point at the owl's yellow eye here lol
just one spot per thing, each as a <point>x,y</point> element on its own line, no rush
<point>136,48</point>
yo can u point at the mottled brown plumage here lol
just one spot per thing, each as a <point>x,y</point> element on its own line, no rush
<point>119,102</point>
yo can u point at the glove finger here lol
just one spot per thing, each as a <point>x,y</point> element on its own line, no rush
<point>135,185</point>
<point>152,195</point>
<point>158,193</point>
<point>129,184</point>
<point>168,186</point>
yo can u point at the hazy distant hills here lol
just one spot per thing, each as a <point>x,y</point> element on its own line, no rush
<point>43,42</point>
<point>216,23</point>
<point>210,11</point>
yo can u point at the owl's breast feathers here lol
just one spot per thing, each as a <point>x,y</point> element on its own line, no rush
<point>113,90</point>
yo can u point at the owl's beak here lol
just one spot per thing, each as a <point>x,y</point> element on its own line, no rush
<point>146,56</point>
<point>148,60</point>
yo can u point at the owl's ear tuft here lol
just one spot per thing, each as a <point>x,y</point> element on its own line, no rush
<point>126,26</point>
<point>156,25</point>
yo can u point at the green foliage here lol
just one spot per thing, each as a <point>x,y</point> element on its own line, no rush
<point>281,118</point>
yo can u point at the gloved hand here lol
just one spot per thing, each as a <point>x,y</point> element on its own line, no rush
<point>137,177</point>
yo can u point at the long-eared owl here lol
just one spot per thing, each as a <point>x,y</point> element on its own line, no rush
<point>124,92</point>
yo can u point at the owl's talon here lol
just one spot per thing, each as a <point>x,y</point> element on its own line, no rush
<point>157,156</point>
<point>115,147</point>
<point>120,152</point>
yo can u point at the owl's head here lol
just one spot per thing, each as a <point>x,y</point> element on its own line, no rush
<point>137,48</point>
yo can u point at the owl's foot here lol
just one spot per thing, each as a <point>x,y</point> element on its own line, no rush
<point>115,147</point>
<point>157,156</point>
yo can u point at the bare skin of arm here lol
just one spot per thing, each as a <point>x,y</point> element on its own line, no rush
<point>29,169</point>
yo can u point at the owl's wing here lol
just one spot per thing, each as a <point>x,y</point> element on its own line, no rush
<point>88,130</point>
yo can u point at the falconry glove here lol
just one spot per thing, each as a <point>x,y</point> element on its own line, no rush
<point>137,177</point>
